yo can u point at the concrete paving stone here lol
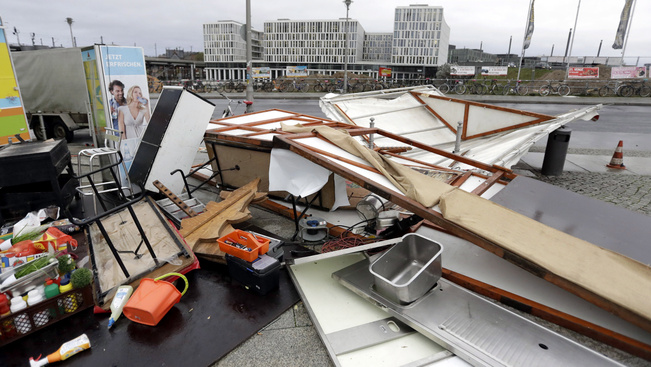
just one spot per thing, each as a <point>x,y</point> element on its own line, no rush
<point>591,163</point>
<point>609,187</point>
<point>284,321</point>
<point>298,346</point>
<point>301,316</point>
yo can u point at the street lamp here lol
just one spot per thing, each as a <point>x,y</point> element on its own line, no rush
<point>347,2</point>
<point>69,21</point>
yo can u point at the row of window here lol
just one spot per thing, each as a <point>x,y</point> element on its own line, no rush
<point>419,14</point>
<point>415,51</point>
<point>312,44</point>
<point>310,26</point>
<point>309,36</point>
<point>309,59</point>
<point>305,51</point>
<point>417,35</point>
<point>414,60</point>
<point>417,26</point>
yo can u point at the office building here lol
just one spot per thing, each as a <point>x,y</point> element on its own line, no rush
<point>225,49</point>
<point>417,46</point>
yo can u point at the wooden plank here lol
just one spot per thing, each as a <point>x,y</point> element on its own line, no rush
<point>175,199</point>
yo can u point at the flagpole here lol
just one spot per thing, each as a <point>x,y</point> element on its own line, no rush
<point>526,29</point>
<point>576,20</point>
<point>628,29</point>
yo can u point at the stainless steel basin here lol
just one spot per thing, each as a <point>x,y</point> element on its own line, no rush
<point>409,269</point>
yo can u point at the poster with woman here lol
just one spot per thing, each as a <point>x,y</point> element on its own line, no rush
<point>129,109</point>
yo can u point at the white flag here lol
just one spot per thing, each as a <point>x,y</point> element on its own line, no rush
<point>623,24</point>
<point>529,33</point>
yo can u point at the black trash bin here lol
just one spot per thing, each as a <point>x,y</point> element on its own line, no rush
<point>556,151</point>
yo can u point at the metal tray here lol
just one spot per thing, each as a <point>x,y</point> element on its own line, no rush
<point>409,269</point>
<point>29,281</point>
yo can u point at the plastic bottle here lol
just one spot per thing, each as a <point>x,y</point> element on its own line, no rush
<point>51,290</point>
<point>121,297</point>
<point>67,350</point>
<point>69,302</point>
<point>42,317</point>
<point>8,327</point>
<point>21,321</point>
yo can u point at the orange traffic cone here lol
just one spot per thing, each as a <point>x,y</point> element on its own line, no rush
<point>618,157</point>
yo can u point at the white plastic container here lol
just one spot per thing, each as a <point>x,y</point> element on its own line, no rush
<point>121,297</point>
<point>33,297</point>
<point>21,321</point>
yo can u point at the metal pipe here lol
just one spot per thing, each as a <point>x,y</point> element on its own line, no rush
<point>457,143</point>
<point>370,136</point>
<point>576,19</point>
<point>347,2</point>
<point>628,29</point>
<point>526,28</point>
<point>249,58</point>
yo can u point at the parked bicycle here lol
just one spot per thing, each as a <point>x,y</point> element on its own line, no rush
<point>459,87</point>
<point>295,86</point>
<point>635,88</point>
<point>229,111</point>
<point>515,88</point>
<point>589,90</point>
<point>476,87</point>
<point>560,88</point>
<point>236,86</point>
<point>320,86</point>
<point>197,86</point>
<point>495,88</point>
<point>443,87</point>
<point>610,89</point>
<point>338,86</point>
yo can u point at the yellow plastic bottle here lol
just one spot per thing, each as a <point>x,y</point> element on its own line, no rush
<point>67,350</point>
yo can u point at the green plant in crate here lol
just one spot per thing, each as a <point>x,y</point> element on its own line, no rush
<point>66,264</point>
<point>81,278</point>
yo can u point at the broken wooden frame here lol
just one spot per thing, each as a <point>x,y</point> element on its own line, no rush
<point>352,171</point>
<point>253,134</point>
<point>484,132</point>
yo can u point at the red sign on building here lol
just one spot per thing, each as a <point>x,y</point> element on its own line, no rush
<point>385,72</point>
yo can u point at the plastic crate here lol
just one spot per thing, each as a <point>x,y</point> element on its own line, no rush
<point>256,245</point>
<point>44,314</point>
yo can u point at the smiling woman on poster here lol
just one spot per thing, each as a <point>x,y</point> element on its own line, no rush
<point>133,118</point>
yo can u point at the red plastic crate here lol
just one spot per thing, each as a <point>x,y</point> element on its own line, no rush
<point>258,245</point>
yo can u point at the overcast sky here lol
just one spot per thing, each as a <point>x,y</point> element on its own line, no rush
<point>157,25</point>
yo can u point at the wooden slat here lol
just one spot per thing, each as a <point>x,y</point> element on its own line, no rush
<point>175,199</point>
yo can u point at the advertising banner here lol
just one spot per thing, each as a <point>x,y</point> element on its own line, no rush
<point>128,108</point>
<point>462,70</point>
<point>529,33</point>
<point>385,72</point>
<point>495,70</point>
<point>296,71</point>
<point>583,73</point>
<point>262,72</point>
<point>95,92</point>
<point>623,24</point>
<point>628,72</point>
<point>13,122</point>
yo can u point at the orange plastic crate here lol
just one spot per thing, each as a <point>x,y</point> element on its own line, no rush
<point>258,245</point>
